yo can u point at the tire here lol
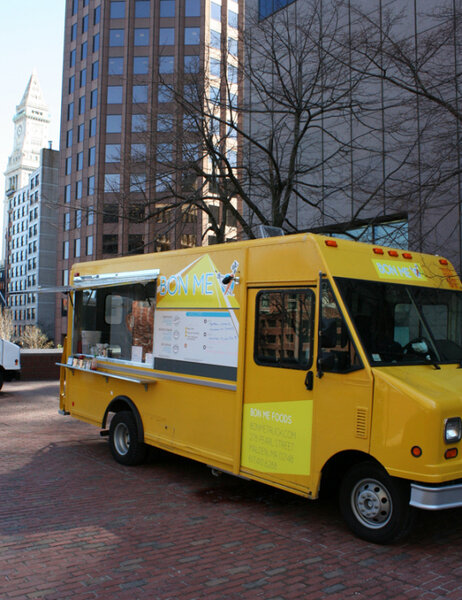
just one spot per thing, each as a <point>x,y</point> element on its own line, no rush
<point>2,379</point>
<point>374,505</point>
<point>123,440</point>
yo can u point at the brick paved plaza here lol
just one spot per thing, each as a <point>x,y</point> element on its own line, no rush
<point>75,524</point>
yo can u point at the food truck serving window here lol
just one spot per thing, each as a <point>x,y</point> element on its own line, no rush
<point>115,322</point>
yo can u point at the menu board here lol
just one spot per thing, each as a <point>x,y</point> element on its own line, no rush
<point>197,336</point>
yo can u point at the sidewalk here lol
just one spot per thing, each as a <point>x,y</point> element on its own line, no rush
<point>75,524</point>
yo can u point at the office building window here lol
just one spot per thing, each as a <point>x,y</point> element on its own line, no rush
<point>215,66</point>
<point>215,11</point>
<point>95,45</point>
<point>116,65</point>
<point>140,65</point>
<point>72,59</point>
<point>91,156</point>
<point>192,36</point>
<point>77,248</point>
<point>166,36</point>
<point>232,19</point>
<point>81,105</point>
<point>91,185</point>
<point>112,182</point>
<point>97,15</point>
<point>113,123</point>
<point>114,94</point>
<point>166,64</point>
<point>95,70</point>
<point>71,86</point>
<point>68,167</point>
<point>268,7</point>
<point>232,46</point>
<point>117,10</point>
<point>67,193</point>
<point>140,94</point>
<point>135,243</point>
<point>69,138</point>
<point>142,9</point>
<point>65,250</point>
<point>73,32</point>
<point>81,132</point>
<point>89,245</point>
<point>112,153</point>
<point>83,77</point>
<point>191,64</point>
<point>192,8</point>
<point>79,165</point>
<point>164,153</point>
<point>75,6</point>
<point>164,122</point>
<point>90,215</point>
<point>116,37</point>
<point>110,243</point>
<point>164,93</point>
<point>137,182</point>
<point>67,221</point>
<point>232,74</point>
<point>85,24</point>
<point>215,39</point>
<point>93,98</point>
<point>92,127</point>
<point>138,152</point>
<point>141,37</point>
<point>139,123</point>
<point>78,190</point>
<point>167,8</point>
<point>83,50</point>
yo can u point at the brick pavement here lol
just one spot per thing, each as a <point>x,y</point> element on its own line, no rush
<point>75,524</point>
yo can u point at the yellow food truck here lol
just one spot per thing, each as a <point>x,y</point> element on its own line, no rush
<point>304,362</point>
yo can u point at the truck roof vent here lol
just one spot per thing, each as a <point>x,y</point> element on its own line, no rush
<point>265,231</point>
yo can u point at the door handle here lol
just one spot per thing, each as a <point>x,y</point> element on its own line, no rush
<point>309,379</point>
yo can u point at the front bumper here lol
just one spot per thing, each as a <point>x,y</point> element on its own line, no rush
<point>436,498</point>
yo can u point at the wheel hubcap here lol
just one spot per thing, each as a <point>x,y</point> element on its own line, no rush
<point>121,439</point>
<point>371,503</point>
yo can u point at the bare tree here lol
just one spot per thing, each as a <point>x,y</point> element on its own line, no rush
<point>33,337</point>
<point>6,325</point>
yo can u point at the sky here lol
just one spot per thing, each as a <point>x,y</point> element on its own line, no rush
<point>31,36</point>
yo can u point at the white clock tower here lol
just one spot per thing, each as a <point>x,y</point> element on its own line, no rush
<point>31,134</point>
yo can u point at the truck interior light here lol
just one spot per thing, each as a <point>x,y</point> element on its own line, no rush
<point>443,261</point>
<point>453,430</point>
<point>331,243</point>
<point>407,255</point>
<point>377,250</point>
<point>393,253</point>
<point>451,453</point>
<point>416,451</point>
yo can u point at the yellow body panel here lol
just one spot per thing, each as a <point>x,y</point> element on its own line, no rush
<point>265,424</point>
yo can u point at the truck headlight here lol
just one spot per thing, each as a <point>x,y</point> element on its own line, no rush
<point>452,430</point>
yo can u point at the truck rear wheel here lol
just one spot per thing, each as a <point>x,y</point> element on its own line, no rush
<point>123,440</point>
<point>374,505</point>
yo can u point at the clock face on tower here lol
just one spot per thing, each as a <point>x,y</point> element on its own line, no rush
<point>19,131</point>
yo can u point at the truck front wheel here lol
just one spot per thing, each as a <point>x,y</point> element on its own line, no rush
<point>123,440</point>
<point>374,505</point>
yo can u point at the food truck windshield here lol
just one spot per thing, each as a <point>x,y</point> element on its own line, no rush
<point>405,324</point>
